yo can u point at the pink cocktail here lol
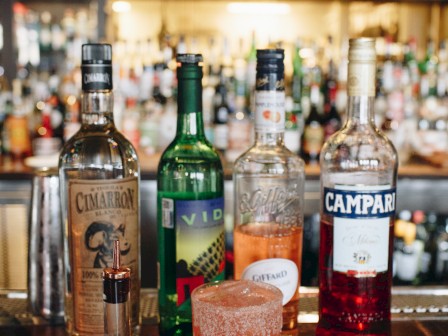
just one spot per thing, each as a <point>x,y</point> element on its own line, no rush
<point>237,308</point>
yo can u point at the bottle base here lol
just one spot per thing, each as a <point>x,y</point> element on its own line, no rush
<point>321,331</point>
<point>183,329</point>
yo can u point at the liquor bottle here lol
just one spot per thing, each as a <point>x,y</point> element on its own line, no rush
<point>99,185</point>
<point>240,130</point>
<point>428,69</point>
<point>268,194</point>
<point>313,134</point>
<point>221,115</point>
<point>331,119</point>
<point>190,206</point>
<point>358,179</point>
<point>296,93</point>
<point>44,143</point>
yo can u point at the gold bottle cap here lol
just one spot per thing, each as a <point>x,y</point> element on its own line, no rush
<point>362,50</point>
<point>116,272</point>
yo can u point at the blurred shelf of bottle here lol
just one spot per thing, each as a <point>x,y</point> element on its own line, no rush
<point>41,102</point>
<point>412,78</point>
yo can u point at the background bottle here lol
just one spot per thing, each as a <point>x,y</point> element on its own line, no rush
<point>190,203</point>
<point>313,134</point>
<point>221,115</point>
<point>268,185</point>
<point>358,179</point>
<point>99,184</point>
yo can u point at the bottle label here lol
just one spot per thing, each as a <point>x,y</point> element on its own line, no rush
<point>199,242</point>
<point>269,111</point>
<point>361,79</point>
<point>362,217</point>
<point>100,211</point>
<point>282,273</point>
<point>96,77</point>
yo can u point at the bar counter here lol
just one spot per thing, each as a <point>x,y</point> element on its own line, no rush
<point>415,311</point>
<point>399,328</point>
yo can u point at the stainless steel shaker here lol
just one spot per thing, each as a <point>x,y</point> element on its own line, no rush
<point>45,257</point>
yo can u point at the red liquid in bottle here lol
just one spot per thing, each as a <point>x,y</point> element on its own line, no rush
<point>352,305</point>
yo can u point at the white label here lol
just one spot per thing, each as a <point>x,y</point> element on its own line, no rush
<point>361,245</point>
<point>167,213</point>
<point>270,111</point>
<point>282,273</point>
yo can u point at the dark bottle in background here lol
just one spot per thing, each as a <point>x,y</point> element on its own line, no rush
<point>221,114</point>
<point>313,134</point>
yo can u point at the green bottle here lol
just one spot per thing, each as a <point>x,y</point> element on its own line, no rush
<point>190,204</point>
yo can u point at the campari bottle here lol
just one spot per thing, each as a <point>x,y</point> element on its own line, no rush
<point>268,195</point>
<point>358,180</point>
<point>190,206</point>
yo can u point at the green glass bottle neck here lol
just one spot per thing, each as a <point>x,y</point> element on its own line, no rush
<point>97,108</point>
<point>189,107</point>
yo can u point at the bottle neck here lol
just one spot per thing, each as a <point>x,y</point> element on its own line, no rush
<point>269,139</point>
<point>361,93</point>
<point>360,111</point>
<point>97,108</point>
<point>189,120</point>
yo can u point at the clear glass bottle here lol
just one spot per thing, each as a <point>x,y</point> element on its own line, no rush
<point>99,187</point>
<point>358,180</point>
<point>190,206</point>
<point>268,194</point>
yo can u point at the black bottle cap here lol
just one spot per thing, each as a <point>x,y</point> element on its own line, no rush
<point>270,70</point>
<point>189,58</point>
<point>96,53</point>
<point>96,67</point>
<point>188,66</point>
<point>270,54</point>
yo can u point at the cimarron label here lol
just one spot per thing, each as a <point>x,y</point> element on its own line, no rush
<point>100,211</point>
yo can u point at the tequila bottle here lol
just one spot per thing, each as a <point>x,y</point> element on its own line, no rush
<point>358,179</point>
<point>268,186</point>
<point>99,187</point>
<point>190,204</point>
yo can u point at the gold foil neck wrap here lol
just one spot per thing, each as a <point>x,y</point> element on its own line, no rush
<point>361,67</point>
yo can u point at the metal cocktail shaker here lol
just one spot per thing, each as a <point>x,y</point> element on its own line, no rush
<point>45,257</point>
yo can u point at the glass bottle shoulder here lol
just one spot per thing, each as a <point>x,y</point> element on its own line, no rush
<point>356,151</point>
<point>271,160</point>
<point>190,167</point>
<point>99,153</point>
